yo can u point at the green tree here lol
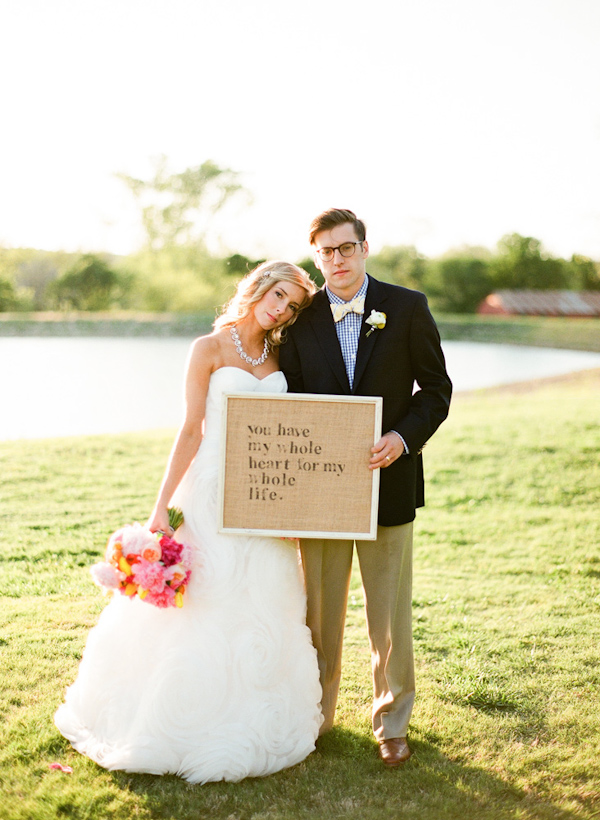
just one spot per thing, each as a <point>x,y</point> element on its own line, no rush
<point>308,264</point>
<point>8,295</point>
<point>458,284</point>
<point>239,265</point>
<point>179,279</point>
<point>400,265</point>
<point>584,273</point>
<point>89,285</point>
<point>521,263</point>
<point>177,207</point>
<point>37,272</point>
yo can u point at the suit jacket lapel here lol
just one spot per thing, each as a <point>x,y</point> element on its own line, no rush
<point>324,327</point>
<point>375,300</point>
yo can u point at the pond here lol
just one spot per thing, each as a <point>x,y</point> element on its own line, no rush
<point>74,386</point>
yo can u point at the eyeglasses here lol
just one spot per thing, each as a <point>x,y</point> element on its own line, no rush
<point>346,249</point>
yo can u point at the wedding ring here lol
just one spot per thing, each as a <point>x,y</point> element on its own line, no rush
<point>387,458</point>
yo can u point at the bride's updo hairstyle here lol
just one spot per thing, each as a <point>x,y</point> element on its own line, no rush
<point>253,287</point>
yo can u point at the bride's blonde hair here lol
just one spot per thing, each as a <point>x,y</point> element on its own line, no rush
<point>253,287</point>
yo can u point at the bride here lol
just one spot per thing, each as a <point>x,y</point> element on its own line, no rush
<point>228,686</point>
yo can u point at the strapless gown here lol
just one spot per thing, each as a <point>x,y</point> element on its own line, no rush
<point>226,687</point>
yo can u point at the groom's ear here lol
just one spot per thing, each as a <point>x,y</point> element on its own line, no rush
<point>318,261</point>
<point>365,246</point>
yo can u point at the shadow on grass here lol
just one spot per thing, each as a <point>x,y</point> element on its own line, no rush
<point>344,778</point>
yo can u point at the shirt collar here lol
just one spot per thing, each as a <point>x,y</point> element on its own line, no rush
<point>335,300</point>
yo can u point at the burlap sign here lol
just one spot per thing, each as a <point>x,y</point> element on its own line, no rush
<point>297,465</point>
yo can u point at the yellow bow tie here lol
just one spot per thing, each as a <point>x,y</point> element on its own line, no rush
<point>357,305</point>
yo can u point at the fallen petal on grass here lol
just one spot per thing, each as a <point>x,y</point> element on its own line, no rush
<point>59,767</point>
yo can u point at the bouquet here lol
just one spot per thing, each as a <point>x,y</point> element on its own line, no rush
<point>150,565</point>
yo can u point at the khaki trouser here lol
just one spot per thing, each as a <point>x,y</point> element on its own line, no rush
<point>386,570</point>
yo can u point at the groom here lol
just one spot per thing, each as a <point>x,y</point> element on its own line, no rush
<point>332,349</point>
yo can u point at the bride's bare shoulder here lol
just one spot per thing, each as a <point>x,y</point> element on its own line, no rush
<point>207,350</point>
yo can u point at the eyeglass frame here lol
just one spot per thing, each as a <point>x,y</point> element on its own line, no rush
<point>339,248</point>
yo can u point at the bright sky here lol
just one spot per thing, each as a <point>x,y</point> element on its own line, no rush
<point>440,122</point>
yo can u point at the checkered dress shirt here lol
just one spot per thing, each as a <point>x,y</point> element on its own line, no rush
<point>348,333</point>
<point>348,330</point>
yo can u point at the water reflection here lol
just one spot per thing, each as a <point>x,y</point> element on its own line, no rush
<point>73,386</point>
<point>472,365</point>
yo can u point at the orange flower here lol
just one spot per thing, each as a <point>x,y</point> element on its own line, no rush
<point>152,553</point>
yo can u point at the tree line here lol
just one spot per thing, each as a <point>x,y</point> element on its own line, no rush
<point>174,272</point>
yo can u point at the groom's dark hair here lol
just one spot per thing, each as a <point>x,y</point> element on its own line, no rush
<point>333,217</point>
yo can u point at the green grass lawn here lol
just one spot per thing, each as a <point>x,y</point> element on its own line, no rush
<point>506,621</point>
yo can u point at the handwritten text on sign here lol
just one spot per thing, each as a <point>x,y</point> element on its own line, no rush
<point>298,464</point>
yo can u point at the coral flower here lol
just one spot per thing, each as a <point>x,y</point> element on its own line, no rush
<point>152,552</point>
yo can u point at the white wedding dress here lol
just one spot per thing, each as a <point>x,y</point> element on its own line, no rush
<point>226,687</point>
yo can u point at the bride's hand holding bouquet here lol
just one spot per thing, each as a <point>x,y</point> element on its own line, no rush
<point>162,520</point>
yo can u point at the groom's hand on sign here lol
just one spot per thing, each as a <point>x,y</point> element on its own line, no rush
<point>386,451</point>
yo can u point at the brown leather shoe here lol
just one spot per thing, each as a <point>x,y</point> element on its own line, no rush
<point>394,751</point>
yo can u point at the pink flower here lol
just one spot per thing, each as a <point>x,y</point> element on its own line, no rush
<point>106,576</point>
<point>150,565</point>
<point>149,576</point>
<point>187,555</point>
<point>171,551</point>
<point>162,599</point>
<point>133,539</point>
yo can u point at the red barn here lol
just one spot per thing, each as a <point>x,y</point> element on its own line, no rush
<point>541,303</point>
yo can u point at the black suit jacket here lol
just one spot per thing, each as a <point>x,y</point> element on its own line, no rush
<point>389,362</point>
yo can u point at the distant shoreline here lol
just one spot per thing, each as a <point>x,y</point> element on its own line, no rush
<point>589,378</point>
<point>534,331</point>
<point>106,324</point>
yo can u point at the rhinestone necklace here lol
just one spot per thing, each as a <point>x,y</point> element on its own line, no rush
<point>242,352</point>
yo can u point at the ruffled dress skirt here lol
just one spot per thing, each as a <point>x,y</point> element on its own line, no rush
<point>226,687</point>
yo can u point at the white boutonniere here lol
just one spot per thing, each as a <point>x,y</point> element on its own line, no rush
<point>377,321</point>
